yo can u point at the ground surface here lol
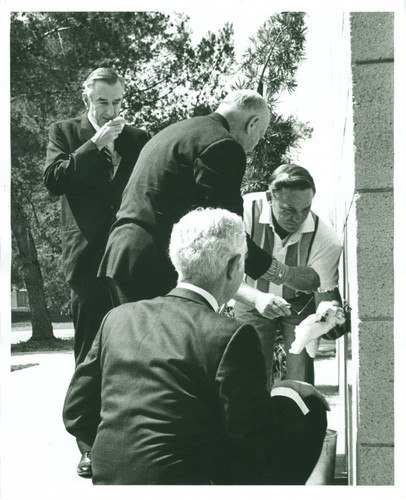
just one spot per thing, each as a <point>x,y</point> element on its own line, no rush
<point>39,457</point>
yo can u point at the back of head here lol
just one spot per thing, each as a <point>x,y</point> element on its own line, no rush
<point>247,115</point>
<point>242,100</point>
<point>202,243</point>
<point>106,75</point>
<point>291,176</point>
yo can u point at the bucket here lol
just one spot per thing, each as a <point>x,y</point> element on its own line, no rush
<point>323,472</point>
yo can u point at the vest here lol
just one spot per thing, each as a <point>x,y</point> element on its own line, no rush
<point>296,255</point>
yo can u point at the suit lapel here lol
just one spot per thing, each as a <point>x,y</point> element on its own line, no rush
<point>86,129</point>
<point>122,144</point>
<point>184,293</point>
<point>126,149</point>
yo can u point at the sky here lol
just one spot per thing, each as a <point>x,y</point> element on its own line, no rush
<point>311,102</point>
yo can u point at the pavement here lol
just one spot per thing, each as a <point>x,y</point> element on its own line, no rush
<point>39,458</point>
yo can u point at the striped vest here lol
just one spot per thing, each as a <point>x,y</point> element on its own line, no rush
<point>296,255</point>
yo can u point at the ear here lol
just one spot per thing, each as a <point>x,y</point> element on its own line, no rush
<point>252,124</point>
<point>85,99</point>
<point>232,266</point>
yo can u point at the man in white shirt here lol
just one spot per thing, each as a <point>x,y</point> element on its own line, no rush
<point>281,222</point>
<point>178,392</point>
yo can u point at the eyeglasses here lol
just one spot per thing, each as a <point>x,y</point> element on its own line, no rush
<point>303,308</point>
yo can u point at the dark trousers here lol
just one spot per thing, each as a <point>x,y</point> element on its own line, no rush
<point>90,302</point>
<point>297,451</point>
<point>288,455</point>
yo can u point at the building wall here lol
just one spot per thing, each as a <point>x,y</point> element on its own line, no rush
<point>364,172</point>
<point>372,48</point>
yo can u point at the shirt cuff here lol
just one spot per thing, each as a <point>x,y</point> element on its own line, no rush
<point>292,394</point>
<point>94,142</point>
<point>327,287</point>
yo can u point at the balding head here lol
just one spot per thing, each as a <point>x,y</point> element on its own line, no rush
<point>248,116</point>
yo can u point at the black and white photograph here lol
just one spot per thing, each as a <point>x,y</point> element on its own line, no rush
<point>202,251</point>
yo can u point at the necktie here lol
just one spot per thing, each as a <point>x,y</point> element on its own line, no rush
<point>109,158</point>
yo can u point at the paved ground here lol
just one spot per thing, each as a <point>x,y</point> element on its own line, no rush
<point>38,457</point>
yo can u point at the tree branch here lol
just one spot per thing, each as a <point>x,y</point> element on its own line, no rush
<point>58,29</point>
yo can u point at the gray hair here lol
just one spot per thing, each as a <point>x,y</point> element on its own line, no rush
<point>106,75</point>
<point>203,241</point>
<point>244,99</point>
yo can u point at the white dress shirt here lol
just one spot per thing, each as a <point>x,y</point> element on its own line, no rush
<point>204,293</point>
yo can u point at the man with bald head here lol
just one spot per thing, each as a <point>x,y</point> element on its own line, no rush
<point>198,162</point>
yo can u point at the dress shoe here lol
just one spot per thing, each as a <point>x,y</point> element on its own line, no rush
<point>85,465</point>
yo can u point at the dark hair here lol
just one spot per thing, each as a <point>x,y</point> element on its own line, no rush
<point>291,176</point>
<point>107,75</point>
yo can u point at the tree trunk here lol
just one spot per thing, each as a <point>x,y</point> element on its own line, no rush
<point>40,317</point>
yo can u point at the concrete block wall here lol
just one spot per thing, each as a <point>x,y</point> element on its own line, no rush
<point>362,164</point>
<point>372,68</point>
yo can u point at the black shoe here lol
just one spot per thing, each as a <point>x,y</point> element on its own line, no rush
<point>85,465</point>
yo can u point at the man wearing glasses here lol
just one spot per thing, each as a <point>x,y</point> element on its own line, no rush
<point>281,222</point>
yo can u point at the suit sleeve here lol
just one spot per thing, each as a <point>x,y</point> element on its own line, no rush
<point>64,168</point>
<point>218,174</point>
<point>219,171</point>
<point>246,403</point>
<point>81,410</point>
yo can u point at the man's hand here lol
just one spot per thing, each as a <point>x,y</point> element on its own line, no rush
<point>271,306</point>
<point>303,389</point>
<point>108,132</point>
<point>267,304</point>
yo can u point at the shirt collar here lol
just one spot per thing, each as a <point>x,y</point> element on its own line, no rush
<point>266,218</point>
<point>222,120</point>
<point>204,293</point>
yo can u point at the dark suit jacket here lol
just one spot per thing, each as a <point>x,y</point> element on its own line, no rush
<point>174,393</point>
<point>192,163</point>
<point>77,170</point>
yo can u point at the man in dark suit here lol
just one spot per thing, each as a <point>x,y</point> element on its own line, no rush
<point>174,393</point>
<point>89,161</point>
<point>195,162</point>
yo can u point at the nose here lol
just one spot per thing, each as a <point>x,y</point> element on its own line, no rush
<point>110,111</point>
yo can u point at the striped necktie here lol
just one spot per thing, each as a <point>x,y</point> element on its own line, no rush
<point>109,158</point>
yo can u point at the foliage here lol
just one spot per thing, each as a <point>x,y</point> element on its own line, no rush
<point>277,147</point>
<point>21,367</point>
<point>52,53</point>
<point>31,345</point>
<point>167,79</point>
<point>270,65</point>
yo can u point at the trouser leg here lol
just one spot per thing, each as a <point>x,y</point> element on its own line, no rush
<point>299,445</point>
<point>298,366</point>
<point>90,302</point>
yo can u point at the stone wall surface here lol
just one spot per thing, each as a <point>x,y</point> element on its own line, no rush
<point>372,66</point>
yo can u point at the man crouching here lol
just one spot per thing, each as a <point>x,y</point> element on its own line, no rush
<point>174,393</point>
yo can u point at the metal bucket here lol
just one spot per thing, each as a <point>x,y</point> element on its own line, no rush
<point>323,472</point>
